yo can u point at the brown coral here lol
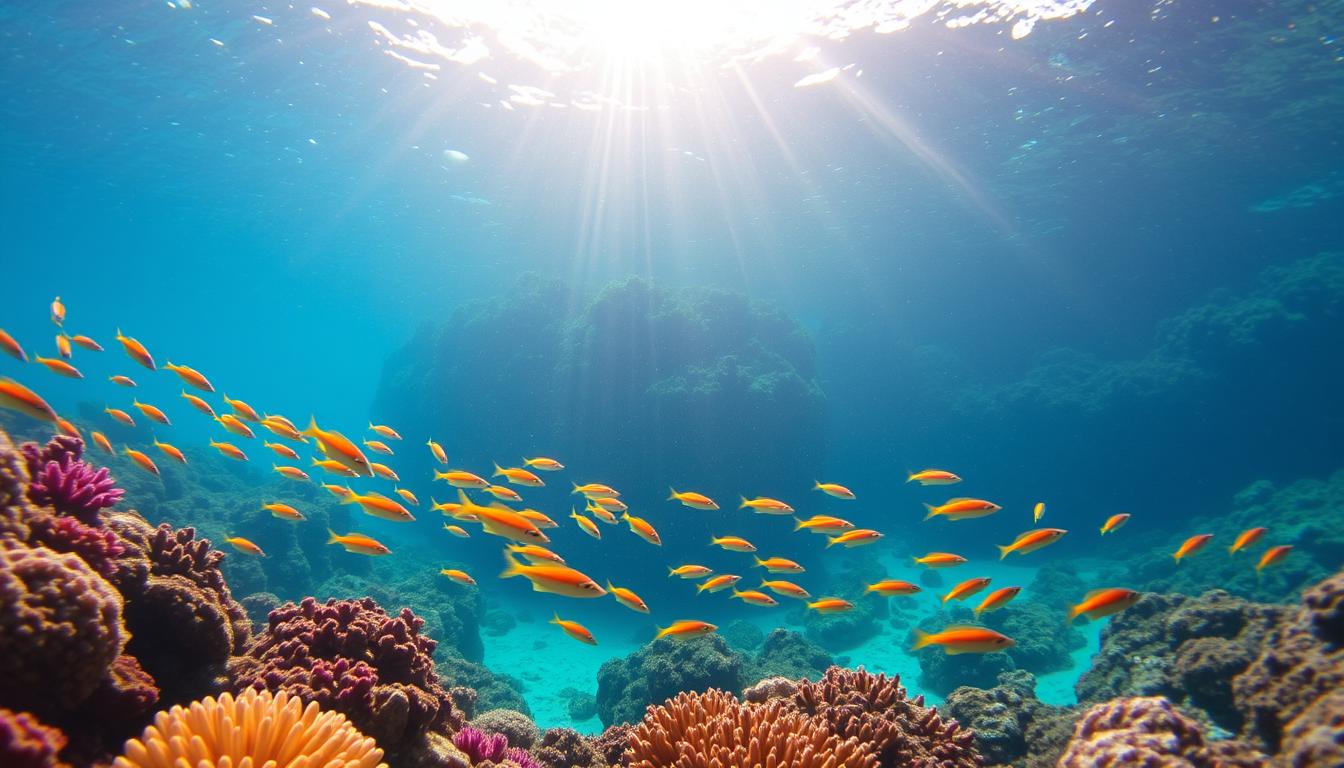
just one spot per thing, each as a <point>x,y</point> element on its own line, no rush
<point>700,730</point>
<point>25,742</point>
<point>1149,732</point>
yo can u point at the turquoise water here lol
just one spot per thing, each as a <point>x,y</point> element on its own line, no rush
<point>1088,256</point>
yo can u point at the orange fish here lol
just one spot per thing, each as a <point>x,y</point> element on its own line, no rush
<point>940,560</point>
<point>831,605</point>
<point>384,471</point>
<point>933,477</point>
<point>1032,541</point>
<point>293,473</point>
<point>962,509</point>
<point>765,506</point>
<point>63,346</point>
<point>997,599</point>
<point>278,419</point>
<point>611,505</point>
<point>243,411</point>
<point>438,451</point>
<point>961,639</point>
<point>17,397</point>
<point>535,553</point>
<point>890,587</point>
<point>786,588</point>
<point>689,571</point>
<point>1190,546</point>
<point>822,524</point>
<point>1100,603</point>
<point>732,543</point>
<point>855,538</point>
<point>834,489</point>
<point>144,461</point>
<point>575,630</point>
<point>461,577</point>
<point>191,376</point>
<point>965,589</point>
<point>502,492</point>
<point>518,476</point>
<point>357,543</point>
<point>244,546</point>
<point>136,350</point>
<point>378,446</point>
<point>235,425</point>
<point>693,500</point>
<point>198,404</point>
<point>171,451</point>
<point>283,428</point>
<point>586,525</point>
<point>334,467</point>
<point>499,520</point>
<point>540,518</point>
<point>124,381</point>
<point>451,508</point>
<point>68,428</point>
<point>12,347</point>
<point>459,478</point>
<point>339,448</point>
<point>627,598</point>
<point>779,565</point>
<point>385,431</point>
<point>101,440</point>
<point>283,511</point>
<point>87,343</point>
<point>57,311</point>
<point>379,505</point>
<point>1037,512</point>
<point>1273,556</point>
<point>754,597</point>
<point>151,412</point>
<point>1113,523</point>
<point>600,514</point>
<point>339,491</point>
<point>686,628</point>
<point>553,578</point>
<point>596,490</point>
<point>59,367</point>
<point>641,528</point>
<point>457,531</point>
<point>229,449</point>
<point>407,496</point>
<point>282,450</point>
<point>1247,538</point>
<point>717,583</point>
<point>544,464</point>
<point>120,415</point>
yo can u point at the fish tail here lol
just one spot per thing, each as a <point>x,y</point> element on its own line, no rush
<point>743,504</point>
<point>922,639</point>
<point>511,568</point>
<point>758,560</point>
<point>498,469</point>
<point>1103,530</point>
<point>350,496</point>
<point>933,511</point>
<point>311,431</point>
<point>1232,550</point>
<point>831,541</point>
<point>701,587</point>
<point>1073,614</point>
<point>1004,550</point>
<point>332,536</point>
<point>816,484</point>
<point>672,493</point>
<point>462,497</point>
<point>1177,557</point>
<point>555,618</point>
<point>670,570</point>
<point>662,631</point>
<point>797,524</point>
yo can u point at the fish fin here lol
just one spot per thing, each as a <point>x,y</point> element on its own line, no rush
<point>958,498</point>
<point>797,523</point>
<point>922,640</point>
<point>933,511</point>
<point>1003,551</point>
<point>555,618</point>
<point>463,499</point>
<point>1074,612</point>
<point>331,536</point>
<point>311,431</point>
<point>831,541</point>
<point>743,504</point>
<point>512,568</point>
<point>498,469</point>
<point>672,493</point>
<point>351,497</point>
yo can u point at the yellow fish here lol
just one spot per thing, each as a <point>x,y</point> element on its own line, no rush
<point>293,473</point>
<point>378,446</point>
<point>962,509</point>
<point>144,461</point>
<point>765,506</point>
<point>1037,512</point>
<point>539,518</point>
<point>243,411</point>
<point>87,343</point>
<point>575,630</point>
<point>611,505</point>
<point>855,538</point>
<point>779,565</point>
<point>686,628</point>
<point>63,346</point>
<point>357,543</point>
<point>600,514</point>
<point>965,589</point>
<point>940,560</point>
<point>283,428</point>
<point>195,401</point>
<point>12,347</point>
<point>191,376</point>
<point>457,531</point>
<point>229,449</point>
<point>339,448</point>
<point>1191,545</point>
<point>834,489</point>
<point>535,553</point>
<point>997,599</point>
<point>339,491</point>
<point>732,543</point>
<point>384,471</point>
<point>244,546</point>
<point>235,425</point>
<point>461,479</point>
<point>101,440</point>
<point>831,605</point>
<point>786,588</point>
<point>282,450</point>
<point>1273,556</point>
<point>283,511</point>
<point>553,578</point>
<point>933,477</point>
<point>57,311</point>
<point>59,367</point>
<point>627,598</point>
<point>116,413</point>
<point>151,412</point>
<point>689,571</point>
<point>170,450</point>
<point>518,476</point>
<point>439,454</point>
<point>753,597</point>
<point>385,431</point>
<point>1245,539</point>
<point>1113,523</point>
<point>890,587</point>
<point>544,464</point>
<point>822,524</point>
<point>334,467</point>
<point>586,525</point>
<point>499,520</point>
<point>379,505</point>
<point>503,493</point>
<point>693,500</point>
<point>17,397</point>
<point>718,583</point>
<point>460,577</point>
<point>136,351</point>
<point>1032,541</point>
<point>407,496</point>
<point>122,381</point>
<point>641,528</point>
<point>595,490</point>
<point>1100,603</point>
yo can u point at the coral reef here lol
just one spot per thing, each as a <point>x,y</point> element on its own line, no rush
<point>349,656</point>
<point>1289,693</point>
<point>661,670</point>
<point>26,743</point>
<point>787,654</point>
<point>516,727</point>
<point>62,480</point>
<point>715,729</point>
<point>612,743</point>
<point>491,690</point>
<point>942,672</point>
<point>1010,724</point>
<point>567,748</point>
<point>255,728</point>
<point>1149,731</point>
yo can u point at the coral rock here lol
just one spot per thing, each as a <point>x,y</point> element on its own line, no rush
<point>26,743</point>
<point>1148,732</point>
<point>567,748</point>
<point>662,669</point>
<point>515,726</point>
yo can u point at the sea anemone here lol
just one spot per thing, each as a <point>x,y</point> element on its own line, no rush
<point>62,480</point>
<point>256,728</point>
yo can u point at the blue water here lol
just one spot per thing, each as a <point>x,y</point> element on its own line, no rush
<point>1040,262</point>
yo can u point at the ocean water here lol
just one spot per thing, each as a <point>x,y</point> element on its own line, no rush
<point>1080,253</point>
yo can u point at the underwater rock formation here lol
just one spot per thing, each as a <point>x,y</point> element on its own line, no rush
<point>787,654</point>
<point>941,672</point>
<point>1149,731</point>
<point>1010,724</point>
<point>26,743</point>
<point>349,656</point>
<point>492,690</point>
<point>661,670</point>
<point>513,725</point>
<point>567,748</point>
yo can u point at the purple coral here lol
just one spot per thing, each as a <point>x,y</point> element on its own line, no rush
<point>98,547</point>
<point>26,743</point>
<point>481,746</point>
<point>521,757</point>
<point>61,479</point>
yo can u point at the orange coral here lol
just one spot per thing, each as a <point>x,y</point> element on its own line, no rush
<point>715,730</point>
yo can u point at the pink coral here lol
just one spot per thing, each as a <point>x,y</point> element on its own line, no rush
<point>26,743</point>
<point>1148,732</point>
<point>59,478</point>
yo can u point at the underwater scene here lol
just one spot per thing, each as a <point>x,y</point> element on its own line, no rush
<point>814,383</point>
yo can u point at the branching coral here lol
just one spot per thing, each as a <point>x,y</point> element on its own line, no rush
<point>255,728</point>
<point>699,730</point>
<point>60,479</point>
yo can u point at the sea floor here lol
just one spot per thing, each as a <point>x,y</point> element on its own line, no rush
<point>521,651</point>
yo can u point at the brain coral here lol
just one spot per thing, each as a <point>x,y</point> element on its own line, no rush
<point>351,657</point>
<point>254,729</point>
<point>700,730</point>
<point>60,628</point>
